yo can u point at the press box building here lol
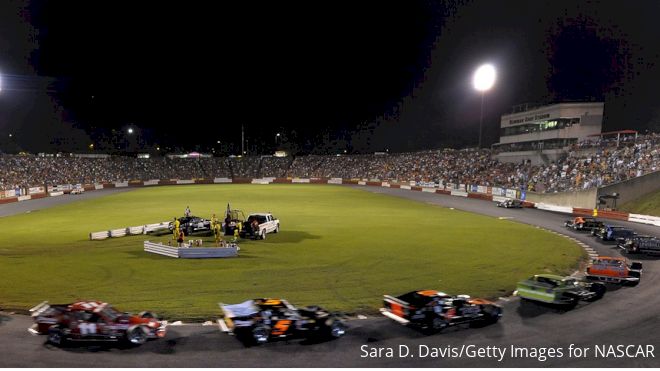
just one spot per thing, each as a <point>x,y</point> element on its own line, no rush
<point>542,134</point>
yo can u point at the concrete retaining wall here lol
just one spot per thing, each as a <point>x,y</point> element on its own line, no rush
<point>585,199</point>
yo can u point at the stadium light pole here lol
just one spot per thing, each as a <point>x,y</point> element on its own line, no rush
<point>483,80</point>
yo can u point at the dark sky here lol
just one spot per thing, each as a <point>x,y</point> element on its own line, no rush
<point>364,75</point>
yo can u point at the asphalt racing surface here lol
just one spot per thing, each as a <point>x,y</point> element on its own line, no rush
<point>626,316</point>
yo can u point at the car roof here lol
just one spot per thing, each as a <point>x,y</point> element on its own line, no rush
<point>609,258</point>
<point>550,276</point>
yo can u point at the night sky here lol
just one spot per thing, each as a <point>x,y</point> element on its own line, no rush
<point>328,75</point>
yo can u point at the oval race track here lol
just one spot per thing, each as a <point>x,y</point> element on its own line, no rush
<point>625,316</point>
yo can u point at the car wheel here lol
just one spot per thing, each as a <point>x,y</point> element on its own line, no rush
<point>337,329</point>
<point>599,289</point>
<point>260,334</point>
<point>136,335</point>
<point>263,234</point>
<point>189,231</point>
<point>438,324</point>
<point>55,336</point>
<point>277,229</point>
<point>493,315</point>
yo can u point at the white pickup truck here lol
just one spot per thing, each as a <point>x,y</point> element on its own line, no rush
<point>258,225</point>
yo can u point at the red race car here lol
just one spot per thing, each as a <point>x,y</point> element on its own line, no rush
<point>94,321</point>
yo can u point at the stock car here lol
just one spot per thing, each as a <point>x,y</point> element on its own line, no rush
<point>614,270</point>
<point>510,204</point>
<point>612,232</point>
<point>648,245</point>
<point>583,223</point>
<point>94,321</point>
<point>259,321</point>
<point>553,289</point>
<point>191,224</point>
<point>432,311</point>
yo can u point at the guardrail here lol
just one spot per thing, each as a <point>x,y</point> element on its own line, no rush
<point>128,231</point>
<point>191,252</point>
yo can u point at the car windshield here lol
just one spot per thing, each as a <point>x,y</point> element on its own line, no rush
<point>110,312</point>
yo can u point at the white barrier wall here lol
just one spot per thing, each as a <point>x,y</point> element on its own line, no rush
<point>98,186</point>
<point>299,180</point>
<point>118,232</point>
<point>190,252</point>
<point>645,219</point>
<point>121,184</point>
<point>459,193</point>
<point>99,235</point>
<point>151,182</point>
<point>335,181</point>
<point>185,181</point>
<point>222,180</point>
<point>24,198</point>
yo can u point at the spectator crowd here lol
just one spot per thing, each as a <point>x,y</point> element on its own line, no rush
<point>584,166</point>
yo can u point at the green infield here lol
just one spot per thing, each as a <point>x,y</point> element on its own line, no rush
<point>338,247</point>
<point>646,205</point>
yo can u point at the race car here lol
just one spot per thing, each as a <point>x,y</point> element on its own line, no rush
<point>259,321</point>
<point>614,270</point>
<point>583,223</point>
<point>192,224</point>
<point>648,245</point>
<point>612,232</point>
<point>258,225</point>
<point>432,311</point>
<point>94,321</point>
<point>510,204</point>
<point>553,289</point>
<point>77,190</point>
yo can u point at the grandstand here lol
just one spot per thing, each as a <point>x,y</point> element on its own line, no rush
<point>584,165</point>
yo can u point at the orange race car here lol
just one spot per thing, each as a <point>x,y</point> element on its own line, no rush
<point>614,270</point>
<point>583,223</point>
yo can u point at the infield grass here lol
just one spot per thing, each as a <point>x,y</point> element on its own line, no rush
<point>339,247</point>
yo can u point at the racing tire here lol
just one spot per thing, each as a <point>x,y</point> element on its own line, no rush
<point>599,289</point>
<point>336,329</point>
<point>263,235</point>
<point>260,334</point>
<point>435,325</point>
<point>572,301</point>
<point>637,275</point>
<point>189,231</point>
<point>492,315</point>
<point>56,336</point>
<point>277,229</point>
<point>135,335</point>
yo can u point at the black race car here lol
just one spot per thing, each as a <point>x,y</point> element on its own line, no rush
<point>612,233</point>
<point>640,245</point>
<point>510,204</point>
<point>192,224</point>
<point>583,223</point>
<point>432,311</point>
<point>259,321</point>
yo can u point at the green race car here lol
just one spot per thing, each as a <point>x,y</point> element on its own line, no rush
<point>553,289</point>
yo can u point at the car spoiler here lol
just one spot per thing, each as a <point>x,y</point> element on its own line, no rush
<point>39,308</point>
